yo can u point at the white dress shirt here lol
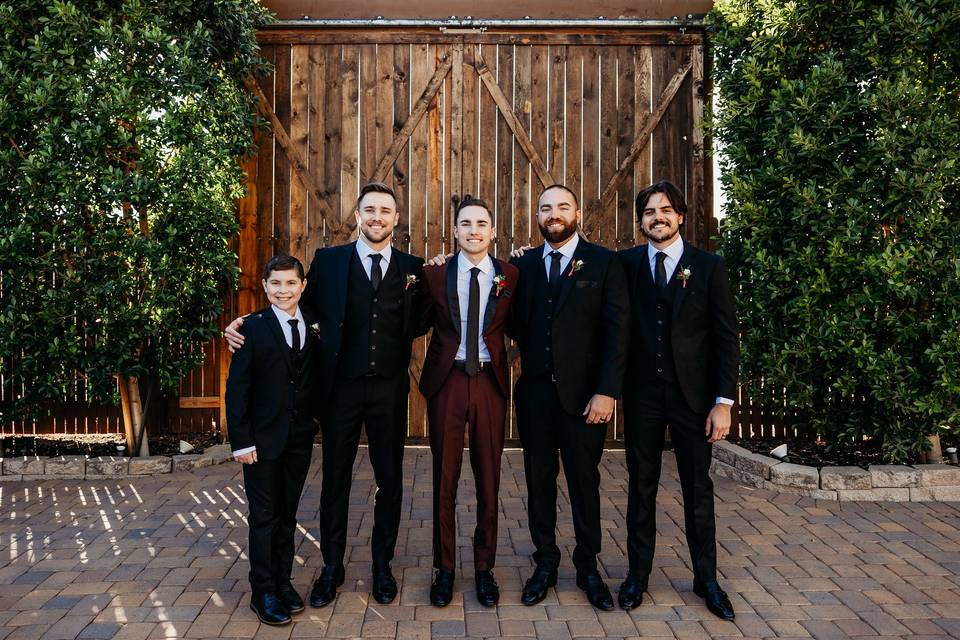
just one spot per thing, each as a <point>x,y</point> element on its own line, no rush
<point>567,254</point>
<point>485,278</point>
<point>284,318</point>
<point>365,251</point>
<point>674,253</point>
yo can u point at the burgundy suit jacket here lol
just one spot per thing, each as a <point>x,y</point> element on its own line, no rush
<point>441,312</point>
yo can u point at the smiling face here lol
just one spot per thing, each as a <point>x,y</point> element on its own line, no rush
<point>376,217</point>
<point>284,288</point>
<point>557,215</point>
<point>474,232</point>
<point>660,221</point>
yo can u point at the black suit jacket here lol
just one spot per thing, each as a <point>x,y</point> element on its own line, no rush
<point>326,299</point>
<point>590,322</point>
<point>262,386</point>
<point>706,352</point>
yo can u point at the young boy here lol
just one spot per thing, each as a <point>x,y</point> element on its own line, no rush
<point>270,421</point>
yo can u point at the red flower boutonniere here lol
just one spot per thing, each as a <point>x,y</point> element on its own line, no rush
<point>500,286</point>
<point>411,281</point>
<point>576,266</point>
<point>683,275</point>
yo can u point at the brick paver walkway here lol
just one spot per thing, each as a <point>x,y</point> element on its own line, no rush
<point>164,557</point>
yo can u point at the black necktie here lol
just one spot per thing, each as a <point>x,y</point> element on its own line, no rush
<point>555,268</point>
<point>376,275</point>
<point>294,335</point>
<point>661,270</point>
<point>473,324</point>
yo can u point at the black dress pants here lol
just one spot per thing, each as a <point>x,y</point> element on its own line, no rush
<point>273,490</point>
<point>380,405</point>
<point>648,409</point>
<point>546,430</point>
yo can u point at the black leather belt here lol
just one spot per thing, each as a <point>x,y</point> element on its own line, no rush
<point>462,365</point>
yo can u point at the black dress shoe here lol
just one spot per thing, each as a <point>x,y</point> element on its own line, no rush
<point>269,609</point>
<point>325,587</point>
<point>597,592</point>
<point>384,585</point>
<point>631,591</point>
<point>441,591</point>
<point>488,593</point>
<point>535,590</point>
<point>290,599</point>
<point>715,598</point>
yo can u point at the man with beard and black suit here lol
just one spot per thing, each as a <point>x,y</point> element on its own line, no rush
<point>570,320</point>
<point>466,380</point>
<point>682,373</point>
<point>365,297</point>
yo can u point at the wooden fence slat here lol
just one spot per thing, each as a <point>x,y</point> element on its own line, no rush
<point>333,141</point>
<point>590,162</point>
<point>384,108</point>
<point>437,206</point>
<point>285,160</point>
<point>401,167</point>
<point>350,140</point>
<point>607,149</point>
<point>368,111</point>
<point>627,105</point>
<point>299,131</point>
<point>316,79</point>
<point>574,120</point>
<point>522,109</point>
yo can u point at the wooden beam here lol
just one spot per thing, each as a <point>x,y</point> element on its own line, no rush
<point>419,108</point>
<point>640,141</point>
<point>293,156</point>
<point>507,110</point>
<point>199,402</point>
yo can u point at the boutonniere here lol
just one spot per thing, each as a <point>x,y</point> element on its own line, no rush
<point>315,327</point>
<point>683,275</point>
<point>576,266</point>
<point>500,286</point>
<point>411,281</point>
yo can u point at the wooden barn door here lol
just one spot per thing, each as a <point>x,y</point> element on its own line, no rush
<point>498,116</point>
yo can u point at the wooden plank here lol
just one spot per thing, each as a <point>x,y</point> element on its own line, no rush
<point>384,110</point>
<point>282,169</point>
<point>696,198</point>
<point>437,207</point>
<point>607,232</point>
<point>503,83</point>
<point>430,35</point>
<point>401,168</point>
<point>417,113</point>
<point>455,185</point>
<point>368,111</point>
<point>299,131</point>
<point>470,182</point>
<point>574,121</point>
<point>265,167</point>
<point>539,97</point>
<point>487,131</point>
<point>590,172</point>
<point>668,147</point>
<point>557,112</point>
<point>247,239</point>
<point>199,402</point>
<point>643,80</point>
<point>626,108</point>
<point>332,141</point>
<point>523,96</point>
<point>350,140</point>
<point>316,79</point>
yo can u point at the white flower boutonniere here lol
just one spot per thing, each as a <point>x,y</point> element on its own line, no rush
<point>315,327</point>
<point>411,281</point>
<point>683,275</point>
<point>574,267</point>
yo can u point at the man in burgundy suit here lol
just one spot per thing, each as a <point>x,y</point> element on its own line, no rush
<point>465,381</point>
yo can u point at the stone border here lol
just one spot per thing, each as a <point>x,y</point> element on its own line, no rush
<point>107,467</point>
<point>898,483</point>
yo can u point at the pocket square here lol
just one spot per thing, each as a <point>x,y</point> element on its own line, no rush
<point>587,284</point>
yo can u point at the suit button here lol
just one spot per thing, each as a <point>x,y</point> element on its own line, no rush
<point>659,338</point>
<point>374,331</point>
<point>659,370</point>
<point>374,347</point>
<point>548,348</point>
<point>375,300</point>
<point>374,315</point>
<point>549,316</point>
<point>549,300</point>
<point>659,355</point>
<point>659,321</point>
<point>372,363</point>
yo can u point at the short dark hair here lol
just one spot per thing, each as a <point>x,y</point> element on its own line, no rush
<point>576,200</point>
<point>375,187</point>
<point>668,189</point>
<point>282,262</point>
<point>470,201</point>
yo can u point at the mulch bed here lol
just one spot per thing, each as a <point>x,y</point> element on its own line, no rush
<point>99,444</point>
<point>813,454</point>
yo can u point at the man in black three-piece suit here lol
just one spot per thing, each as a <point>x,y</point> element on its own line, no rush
<point>365,298</point>
<point>570,321</point>
<point>271,425</point>
<point>681,373</point>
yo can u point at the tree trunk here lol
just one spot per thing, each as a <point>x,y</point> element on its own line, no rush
<point>935,455</point>
<point>134,417</point>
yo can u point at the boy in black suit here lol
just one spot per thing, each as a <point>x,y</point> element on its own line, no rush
<point>270,421</point>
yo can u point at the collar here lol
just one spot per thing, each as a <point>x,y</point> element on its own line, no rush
<point>464,265</point>
<point>283,316</point>
<point>364,250</point>
<point>674,251</point>
<point>567,249</point>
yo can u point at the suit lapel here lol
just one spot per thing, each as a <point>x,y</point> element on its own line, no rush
<point>274,323</point>
<point>493,298</point>
<point>680,291</point>
<point>453,300</point>
<point>341,274</point>
<point>568,276</point>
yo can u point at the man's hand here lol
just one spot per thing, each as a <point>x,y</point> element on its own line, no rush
<point>247,458</point>
<point>233,336</point>
<point>600,409</point>
<point>718,422</point>
<point>519,251</point>
<point>438,260</point>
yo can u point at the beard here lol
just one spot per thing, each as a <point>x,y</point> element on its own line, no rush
<point>376,235</point>
<point>663,234</point>
<point>560,234</point>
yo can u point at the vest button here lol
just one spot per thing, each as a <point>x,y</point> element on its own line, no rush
<point>373,346</point>
<point>659,355</point>
<point>548,348</point>
<point>659,370</point>
<point>375,300</point>
<point>659,338</point>
<point>374,315</point>
<point>659,321</point>
<point>374,331</point>
<point>372,363</point>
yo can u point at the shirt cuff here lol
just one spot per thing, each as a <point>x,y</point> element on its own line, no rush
<point>244,451</point>
<point>722,400</point>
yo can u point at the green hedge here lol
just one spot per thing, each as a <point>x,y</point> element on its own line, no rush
<point>839,125</point>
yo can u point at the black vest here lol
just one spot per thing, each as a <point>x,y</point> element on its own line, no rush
<point>303,399</point>
<point>372,324</point>
<point>538,357</point>
<point>662,367</point>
